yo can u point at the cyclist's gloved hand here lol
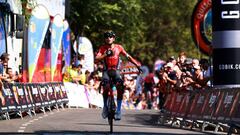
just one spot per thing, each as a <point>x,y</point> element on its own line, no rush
<point>109,53</point>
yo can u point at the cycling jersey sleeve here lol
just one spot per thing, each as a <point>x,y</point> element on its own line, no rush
<point>100,51</point>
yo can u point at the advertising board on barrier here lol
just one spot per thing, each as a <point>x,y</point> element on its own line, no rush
<point>9,96</point>
<point>64,93</point>
<point>51,94</point>
<point>36,97</point>
<point>225,105</point>
<point>210,104</point>
<point>235,117</point>
<point>184,106</point>
<point>44,95</point>
<point>28,95</point>
<point>76,95</point>
<point>177,103</point>
<point>196,106</point>
<point>168,105</point>
<point>20,97</point>
<point>58,94</point>
<point>95,98</point>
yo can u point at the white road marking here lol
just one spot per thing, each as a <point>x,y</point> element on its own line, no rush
<point>31,121</point>
<point>25,124</point>
<point>20,131</point>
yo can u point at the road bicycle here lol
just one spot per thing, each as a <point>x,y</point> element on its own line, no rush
<point>111,105</point>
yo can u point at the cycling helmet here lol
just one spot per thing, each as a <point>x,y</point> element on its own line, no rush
<point>109,34</point>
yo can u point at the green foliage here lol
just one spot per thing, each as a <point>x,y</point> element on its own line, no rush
<point>27,6</point>
<point>147,29</point>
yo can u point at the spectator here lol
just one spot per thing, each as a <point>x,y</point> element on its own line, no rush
<point>11,77</point>
<point>197,77</point>
<point>207,71</point>
<point>74,74</point>
<point>195,62</point>
<point>148,88</point>
<point>66,74</point>
<point>181,59</point>
<point>4,60</point>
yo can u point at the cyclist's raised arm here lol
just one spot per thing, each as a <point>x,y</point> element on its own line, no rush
<point>137,64</point>
<point>132,60</point>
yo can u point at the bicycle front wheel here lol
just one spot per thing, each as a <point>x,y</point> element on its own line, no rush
<point>111,112</point>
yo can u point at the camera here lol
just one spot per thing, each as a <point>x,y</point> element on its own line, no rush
<point>109,52</point>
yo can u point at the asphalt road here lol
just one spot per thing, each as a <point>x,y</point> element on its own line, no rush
<point>88,121</point>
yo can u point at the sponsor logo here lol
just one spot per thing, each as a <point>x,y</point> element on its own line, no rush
<point>202,26</point>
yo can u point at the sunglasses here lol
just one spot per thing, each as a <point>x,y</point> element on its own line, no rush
<point>106,37</point>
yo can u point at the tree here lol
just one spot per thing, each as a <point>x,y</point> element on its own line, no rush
<point>147,29</point>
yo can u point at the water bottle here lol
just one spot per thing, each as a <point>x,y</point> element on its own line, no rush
<point>114,92</point>
<point>114,89</point>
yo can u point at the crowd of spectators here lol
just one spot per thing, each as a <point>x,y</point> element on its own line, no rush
<point>147,92</point>
<point>140,92</point>
<point>183,74</point>
<point>6,72</point>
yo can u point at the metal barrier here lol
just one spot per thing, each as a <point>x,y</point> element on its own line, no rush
<point>19,98</point>
<point>210,107</point>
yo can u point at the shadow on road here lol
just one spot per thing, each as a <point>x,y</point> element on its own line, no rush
<point>87,133</point>
<point>143,118</point>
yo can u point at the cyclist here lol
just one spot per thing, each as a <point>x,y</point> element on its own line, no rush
<point>110,52</point>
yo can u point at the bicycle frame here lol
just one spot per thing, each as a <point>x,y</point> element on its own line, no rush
<point>111,106</point>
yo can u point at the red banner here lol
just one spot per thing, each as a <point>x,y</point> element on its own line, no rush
<point>184,106</point>
<point>168,105</point>
<point>223,111</point>
<point>197,104</point>
<point>177,101</point>
<point>235,117</point>
<point>210,104</point>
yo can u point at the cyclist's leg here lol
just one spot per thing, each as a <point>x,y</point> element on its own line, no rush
<point>106,86</point>
<point>120,90</point>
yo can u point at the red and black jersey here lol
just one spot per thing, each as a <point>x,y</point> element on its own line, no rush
<point>112,62</point>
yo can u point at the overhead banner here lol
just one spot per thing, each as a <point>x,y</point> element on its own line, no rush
<point>56,38</point>
<point>66,44</point>
<point>38,26</point>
